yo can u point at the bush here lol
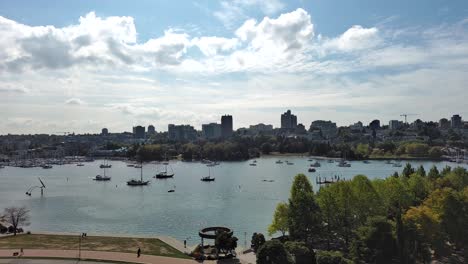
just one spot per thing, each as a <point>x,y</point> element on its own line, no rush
<point>301,253</point>
<point>331,257</point>
<point>273,252</point>
<point>257,241</point>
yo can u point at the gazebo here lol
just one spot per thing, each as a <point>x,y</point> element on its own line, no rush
<point>211,233</point>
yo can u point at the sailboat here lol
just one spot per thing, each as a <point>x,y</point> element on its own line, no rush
<point>102,178</point>
<point>139,182</point>
<point>208,178</point>
<point>105,165</point>
<point>164,174</point>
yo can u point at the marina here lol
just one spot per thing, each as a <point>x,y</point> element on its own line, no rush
<point>73,203</point>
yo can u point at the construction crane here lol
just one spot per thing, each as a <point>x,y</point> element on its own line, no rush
<point>406,116</point>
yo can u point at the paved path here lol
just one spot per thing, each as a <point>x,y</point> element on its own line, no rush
<point>98,255</point>
<point>47,261</point>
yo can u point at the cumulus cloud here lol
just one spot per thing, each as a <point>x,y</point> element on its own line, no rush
<point>232,12</point>
<point>74,101</point>
<point>353,39</point>
<point>94,41</point>
<point>211,46</point>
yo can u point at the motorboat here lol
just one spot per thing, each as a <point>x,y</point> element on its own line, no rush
<point>253,164</point>
<point>316,164</point>
<point>47,166</point>
<point>312,169</point>
<point>279,162</point>
<point>344,163</point>
<point>80,164</point>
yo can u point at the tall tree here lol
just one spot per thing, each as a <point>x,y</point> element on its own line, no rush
<point>304,218</point>
<point>16,217</point>
<point>273,252</point>
<point>433,173</point>
<point>421,171</point>
<point>280,220</point>
<point>408,170</point>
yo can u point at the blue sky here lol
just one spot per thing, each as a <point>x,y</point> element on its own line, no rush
<point>83,65</point>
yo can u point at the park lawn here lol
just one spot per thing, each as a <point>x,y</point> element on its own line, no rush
<point>148,246</point>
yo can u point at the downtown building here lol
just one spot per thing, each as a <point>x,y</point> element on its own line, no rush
<point>211,131</point>
<point>226,126</point>
<point>288,121</point>
<point>181,132</point>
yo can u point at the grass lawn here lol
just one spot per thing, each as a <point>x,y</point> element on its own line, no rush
<point>149,246</point>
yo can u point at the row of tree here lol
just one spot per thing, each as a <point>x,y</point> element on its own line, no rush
<point>409,218</point>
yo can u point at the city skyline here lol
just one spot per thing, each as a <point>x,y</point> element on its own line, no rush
<point>84,66</point>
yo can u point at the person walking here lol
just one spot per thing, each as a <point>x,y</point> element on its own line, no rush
<point>185,243</point>
<point>138,252</point>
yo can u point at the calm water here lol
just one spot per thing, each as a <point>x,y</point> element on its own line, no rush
<point>238,198</point>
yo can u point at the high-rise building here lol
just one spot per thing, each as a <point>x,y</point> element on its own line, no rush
<point>444,123</point>
<point>226,126</point>
<point>456,121</point>
<point>151,130</point>
<point>139,132</point>
<point>211,131</point>
<point>181,132</point>
<point>288,120</point>
<point>327,128</point>
<point>104,132</point>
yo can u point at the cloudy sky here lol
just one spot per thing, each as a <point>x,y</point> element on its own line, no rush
<point>80,66</point>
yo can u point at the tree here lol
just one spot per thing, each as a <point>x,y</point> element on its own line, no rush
<point>225,242</point>
<point>421,171</point>
<point>300,252</point>
<point>408,170</point>
<point>331,257</point>
<point>258,239</point>
<point>304,214</point>
<point>16,217</point>
<point>374,242</point>
<point>433,173</point>
<point>273,252</point>
<point>266,148</point>
<point>280,220</point>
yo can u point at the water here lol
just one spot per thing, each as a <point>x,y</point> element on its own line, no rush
<point>238,198</point>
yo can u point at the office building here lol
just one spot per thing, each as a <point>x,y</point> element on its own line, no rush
<point>260,129</point>
<point>139,132</point>
<point>327,128</point>
<point>395,124</point>
<point>288,120</point>
<point>211,131</point>
<point>226,126</point>
<point>444,123</point>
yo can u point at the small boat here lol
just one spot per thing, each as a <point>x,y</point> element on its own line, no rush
<point>139,182</point>
<point>316,164</point>
<point>137,166</point>
<point>397,164</point>
<point>268,180</point>
<point>310,160</point>
<point>331,161</point>
<point>164,174</point>
<point>289,163</point>
<point>253,164</point>
<point>47,166</point>
<point>212,164</point>
<point>80,164</point>
<point>388,162</point>
<point>312,169</point>
<point>208,178</point>
<point>102,166</point>
<point>255,161</point>
<point>130,165</point>
<point>102,177</point>
<point>344,163</point>
<point>365,161</point>
<point>172,190</point>
<point>279,162</point>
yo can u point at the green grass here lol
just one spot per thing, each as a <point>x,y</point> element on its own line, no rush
<point>149,246</point>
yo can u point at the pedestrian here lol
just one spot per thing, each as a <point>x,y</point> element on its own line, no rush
<point>21,252</point>
<point>185,243</point>
<point>138,252</point>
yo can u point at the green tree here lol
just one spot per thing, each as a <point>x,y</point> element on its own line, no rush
<point>421,171</point>
<point>331,257</point>
<point>304,218</point>
<point>408,170</point>
<point>367,201</point>
<point>225,242</point>
<point>266,148</point>
<point>280,220</point>
<point>273,252</point>
<point>433,173</point>
<point>374,242</point>
<point>300,252</point>
<point>258,239</point>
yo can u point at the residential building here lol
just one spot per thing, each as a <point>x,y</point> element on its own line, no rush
<point>139,132</point>
<point>181,132</point>
<point>356,126</point>
<point>151,130</point>
<point>456,121</point>
<point>300,129</point>
<point>226,126</point>
<point>288,120</point>
<point>211,130</point>
<point>327,128</point>
<point>104,132</point>
<point>260,129</point>
<point>395,124</point>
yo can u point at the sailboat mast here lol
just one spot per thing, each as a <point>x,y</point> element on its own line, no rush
<point>141,172</point>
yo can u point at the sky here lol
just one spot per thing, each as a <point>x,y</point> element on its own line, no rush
<point>79,66</point>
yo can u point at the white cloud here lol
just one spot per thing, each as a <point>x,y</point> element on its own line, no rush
<point>13,89</point>
<point>231,12</point>
<point>74,101</point>
<point>211,46</point>
<point>353,39</point>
